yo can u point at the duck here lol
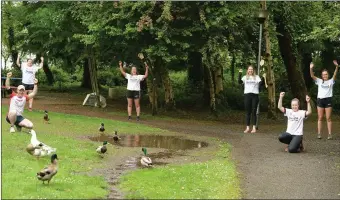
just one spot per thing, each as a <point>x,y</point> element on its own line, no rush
<point>47,173</point>
<point>102,149</point>
<point>145,161</point>
<point>101,128</point>
<point>38,148</point>
<point>116,137</point>
<point>46,118</point>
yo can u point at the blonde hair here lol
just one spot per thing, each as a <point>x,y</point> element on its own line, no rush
<point>254,72</point>
<point>297,100</point>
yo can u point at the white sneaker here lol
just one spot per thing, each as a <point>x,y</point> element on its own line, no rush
<point>12,130</point>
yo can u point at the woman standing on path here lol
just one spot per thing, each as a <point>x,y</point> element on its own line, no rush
<point>324,99</point>
<point>28,76</point>
<point>252,85</point>
<point>133,87</point>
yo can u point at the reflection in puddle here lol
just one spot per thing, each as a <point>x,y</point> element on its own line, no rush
<point>152,141</point>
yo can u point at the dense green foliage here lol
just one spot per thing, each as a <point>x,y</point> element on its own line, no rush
<point>205,43</point>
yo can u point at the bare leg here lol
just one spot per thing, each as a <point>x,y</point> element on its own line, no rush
<point>129,108</point>
<point>329,121</point>
<point>12,116</point>
<point>26,123</point>
<point>137,107</point>
<point>320,116</point>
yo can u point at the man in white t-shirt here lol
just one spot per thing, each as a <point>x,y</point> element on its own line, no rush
<point>28,76</point>
<point>17,105</point>
<point>294,133</point>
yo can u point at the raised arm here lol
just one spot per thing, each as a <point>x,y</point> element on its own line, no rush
<point>7,82</point>
<point>265,79</point>
<point>336,69</point>
<point>121,68</point>
<point>309,108</point>
<point>240,76</point>
<point>311,66</point>
<point>279,106</point>
<point>35,89</point>
<point>41,63</point>
<point>18,61</point>
<point>146,70</point>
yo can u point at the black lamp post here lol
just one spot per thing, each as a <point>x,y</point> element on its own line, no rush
<point>262,15</point>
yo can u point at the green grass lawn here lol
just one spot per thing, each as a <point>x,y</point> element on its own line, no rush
<point>75,156</point>
<point>214,179</point>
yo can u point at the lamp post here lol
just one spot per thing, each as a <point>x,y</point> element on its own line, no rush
<point>262,15</point>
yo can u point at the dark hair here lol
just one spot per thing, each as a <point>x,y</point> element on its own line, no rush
<point>29,59</point>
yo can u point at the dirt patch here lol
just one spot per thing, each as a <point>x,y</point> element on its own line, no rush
<point>266,170</point>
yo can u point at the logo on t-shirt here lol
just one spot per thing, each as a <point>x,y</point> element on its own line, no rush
<point>293,118</point>
<point>29,71</point>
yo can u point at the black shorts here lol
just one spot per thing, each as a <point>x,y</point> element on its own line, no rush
<point>132,94</point>
<point>17,121</point>
<point>325,102</point>
<point>28,86</point>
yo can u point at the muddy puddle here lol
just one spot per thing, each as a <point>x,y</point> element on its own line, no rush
<point>152,141</point>
<point>170,147</point>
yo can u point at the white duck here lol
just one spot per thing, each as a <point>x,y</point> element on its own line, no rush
<point>38,148</point>
<point>145,161</point>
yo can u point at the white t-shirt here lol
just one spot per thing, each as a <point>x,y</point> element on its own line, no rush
<point>325,88</point>
<point>134,81</point>
<point>28,73</point>
<point>295,121</point>
<point>17,104</point>
<point>252,84</point>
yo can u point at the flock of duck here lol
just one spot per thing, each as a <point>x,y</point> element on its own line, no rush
<point>40,149</point>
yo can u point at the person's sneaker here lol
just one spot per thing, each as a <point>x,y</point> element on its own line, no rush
<point>18,128</point>
<point>329,137</point>
<point>129,118</point>
<point>319,136</point>
<point>138,118</point>
<point>12,130</point>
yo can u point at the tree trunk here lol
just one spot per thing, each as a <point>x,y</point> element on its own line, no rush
<point>271,114</point>
<point>210,82</point>
<point>233,62</point>
<point>327,56</point>
<point>86,82</point>
<point>48,72</point>
<point>168,91</point>
<point>306,60</point>
<point>195,71</point>
<point>11,44</point>
<point>295,76</point>
<point>218,79</point>
<point>152,93</point>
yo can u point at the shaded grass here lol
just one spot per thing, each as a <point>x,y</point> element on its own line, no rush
<point>213,179</point>
<point>76,157</point>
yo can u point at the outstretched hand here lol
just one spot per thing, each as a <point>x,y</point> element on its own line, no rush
<point>311,65</point>
<point>307,98</point>
<point>335,63</point>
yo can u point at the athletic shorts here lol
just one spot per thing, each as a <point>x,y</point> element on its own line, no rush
<point>17,121</point>
<point>132,94</point>
<point>28,86</point>
<point>325,102</point>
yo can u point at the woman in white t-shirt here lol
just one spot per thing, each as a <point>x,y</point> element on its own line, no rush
<point>28,76</point>
<point>252,84</point>
<point>324,99</point>
<point>133,87</point>
<point>294,133</point>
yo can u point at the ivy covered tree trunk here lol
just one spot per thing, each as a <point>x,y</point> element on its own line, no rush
<point>152,93</point>
<point>11,44</point>
<point>271,114</point>
<point>306,60</point>
<point>168,91</point>
<point>46,68</point>
<point>295,76</point>
<point>233,63</point>
<point>209,79</point>
<point>218,79</point>
<point>86,82</point>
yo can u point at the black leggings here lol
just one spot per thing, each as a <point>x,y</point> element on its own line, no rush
<point>293,141</point>
<point>250,102</point>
